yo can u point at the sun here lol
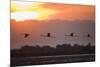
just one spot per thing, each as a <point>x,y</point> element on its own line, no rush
<point>24,10</point>
<point>20,16</point>
<point>24,6</point>
<point>30,10</point>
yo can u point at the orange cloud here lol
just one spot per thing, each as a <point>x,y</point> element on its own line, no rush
<point>72,12</point>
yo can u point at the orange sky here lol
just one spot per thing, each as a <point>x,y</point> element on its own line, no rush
<point>72,12</point>
<point>52,11</point>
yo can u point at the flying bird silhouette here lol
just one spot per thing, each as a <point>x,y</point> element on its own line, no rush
<point>26,35</point>
<point>88,35</point>
<point>48,35</point>
<point>71,35</point>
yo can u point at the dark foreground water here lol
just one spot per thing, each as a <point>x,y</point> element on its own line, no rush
<point>22,61</point>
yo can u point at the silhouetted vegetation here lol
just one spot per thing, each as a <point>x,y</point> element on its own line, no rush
<point>64,49</point>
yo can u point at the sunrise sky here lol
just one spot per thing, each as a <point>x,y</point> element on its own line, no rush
<point>22,10</point>
<point>40,18</point>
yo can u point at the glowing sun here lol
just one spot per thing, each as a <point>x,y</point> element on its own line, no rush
<point>30,10</point>
<point>19,16</point>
